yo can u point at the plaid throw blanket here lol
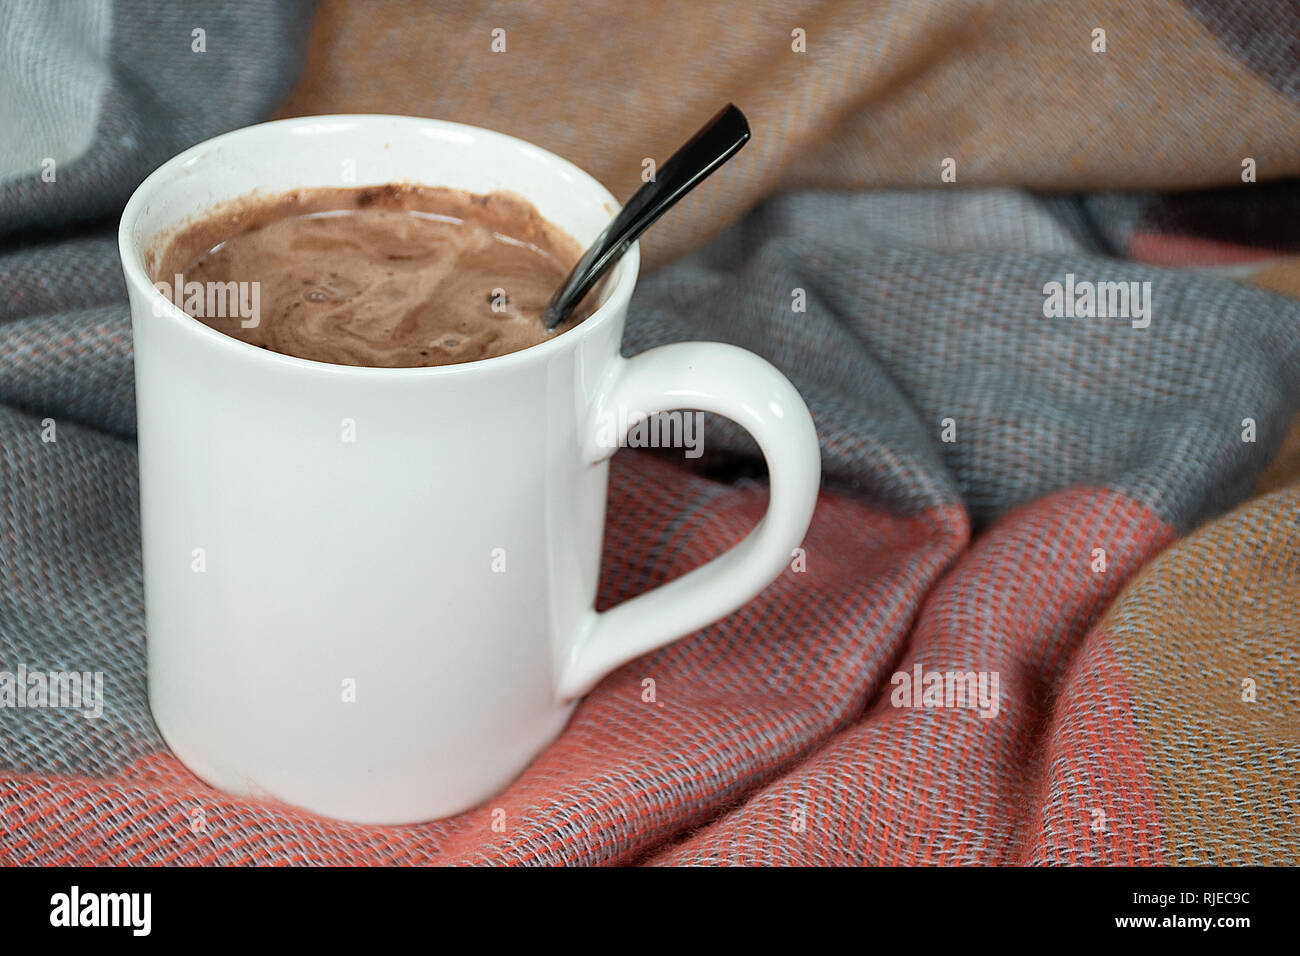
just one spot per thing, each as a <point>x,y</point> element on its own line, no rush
<point>1082,499</point>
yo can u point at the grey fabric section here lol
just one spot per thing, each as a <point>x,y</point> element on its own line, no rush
<point>65,334</point>
<point>58,276</point>
<point>73,367</point>
<point>901,335</point>
<point>162,97</point>
<point>53,70</point>
<point>70,593</point>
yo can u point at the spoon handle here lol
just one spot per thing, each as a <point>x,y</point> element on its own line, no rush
<point>704,152</point>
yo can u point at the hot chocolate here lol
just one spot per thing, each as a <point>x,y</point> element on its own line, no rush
<point>389,276</point>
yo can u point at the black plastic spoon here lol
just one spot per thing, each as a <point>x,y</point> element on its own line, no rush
<point>715,143</point>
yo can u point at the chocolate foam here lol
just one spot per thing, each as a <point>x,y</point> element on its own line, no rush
<point>393,276</point>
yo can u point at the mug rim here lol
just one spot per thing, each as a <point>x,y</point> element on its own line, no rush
<point>132,255</point>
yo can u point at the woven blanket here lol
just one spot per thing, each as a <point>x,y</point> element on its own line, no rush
<point>1033,266</point>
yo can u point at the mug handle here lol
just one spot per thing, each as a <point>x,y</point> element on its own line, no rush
<point>735,383</point>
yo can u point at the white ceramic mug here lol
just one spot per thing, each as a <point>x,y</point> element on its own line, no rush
<point>388,629</point>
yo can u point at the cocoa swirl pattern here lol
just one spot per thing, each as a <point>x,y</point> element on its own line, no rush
<point>393,276</point>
